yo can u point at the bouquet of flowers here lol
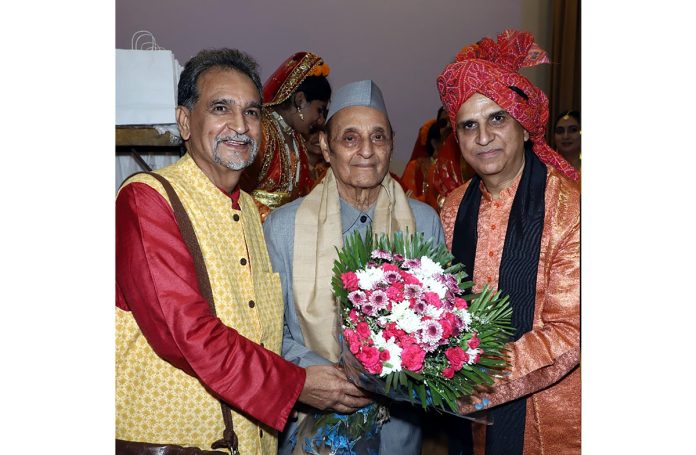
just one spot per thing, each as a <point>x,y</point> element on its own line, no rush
<point>409,330</point>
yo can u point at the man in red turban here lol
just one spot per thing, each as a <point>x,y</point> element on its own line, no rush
<point>516,227</point>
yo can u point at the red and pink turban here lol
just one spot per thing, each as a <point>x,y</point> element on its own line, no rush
<point>491,69</point>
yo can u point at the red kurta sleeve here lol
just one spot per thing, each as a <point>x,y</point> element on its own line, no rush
<point>156,281</point>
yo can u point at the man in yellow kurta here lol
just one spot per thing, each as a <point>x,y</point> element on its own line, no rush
<point>516,225</point>
<point>179,355</point>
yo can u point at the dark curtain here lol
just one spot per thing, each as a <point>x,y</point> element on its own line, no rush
<point>565,55</point>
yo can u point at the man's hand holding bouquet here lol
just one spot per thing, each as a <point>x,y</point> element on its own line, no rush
<point>409,330</point>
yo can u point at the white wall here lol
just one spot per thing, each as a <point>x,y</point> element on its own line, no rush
<point>401,44</point>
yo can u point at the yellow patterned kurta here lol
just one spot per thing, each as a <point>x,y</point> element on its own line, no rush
<point>157,402</point>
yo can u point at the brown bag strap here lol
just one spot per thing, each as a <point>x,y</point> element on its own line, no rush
<point>146,448</point>
<point>229,439</point>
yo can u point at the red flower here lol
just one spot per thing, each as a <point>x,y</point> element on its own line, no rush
<point>448,373</point>
<point>353,316</point>
<point>408,278</point>
<point>412,358</point>
<point>384,356</point>
<point>369,357</point>
<point>446,329</point>
<point>363,330</point>
<point>395,294</point>
<point>460,303</point>
<point>353,340</point>
<point>474,342</point>
<point>350,281</point>
<point>408,340</point>
<point>432,299</point>
<point>457,357</point>
<point>390,267</point>
<point>452,320</point>
<point>391,331</point>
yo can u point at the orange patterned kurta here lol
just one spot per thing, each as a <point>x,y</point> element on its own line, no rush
<point>544,361</point>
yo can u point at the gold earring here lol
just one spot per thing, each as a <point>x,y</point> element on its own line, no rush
<point>299,112</point>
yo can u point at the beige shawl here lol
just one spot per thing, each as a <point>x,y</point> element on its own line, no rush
<point>318,230</point>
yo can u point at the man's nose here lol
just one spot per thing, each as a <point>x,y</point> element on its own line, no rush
<point>484,135</point>
<point>237,123</point>
<point>367,148</point>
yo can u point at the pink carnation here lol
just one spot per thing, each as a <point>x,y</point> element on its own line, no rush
<point>392,331</point>
<point>448,373</point>
<point>446,328</point>
<point>350,281</point>
<point>474,342</point>
<point>363,330</point>
<point>353,315</point>
<point>412,358</point>
<point>460,303</point>
<point>369,357</point>
<point>407,340</point>
<point>409,279</point>
<point>454,323</point>
<point>432,299</point>
<point>457,357</point>
<point>353,340</point>
<point>384,356</point>
<point>390,268</point>
<point>395,294</point>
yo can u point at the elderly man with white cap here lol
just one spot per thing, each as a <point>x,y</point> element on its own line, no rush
<point>301,236</point>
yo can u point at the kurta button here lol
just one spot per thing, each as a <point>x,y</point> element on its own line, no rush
<point>363,219</point>
<point>490,253</point>
<point>242,261</point>
<point>252,304</point>
<point>235,217</point>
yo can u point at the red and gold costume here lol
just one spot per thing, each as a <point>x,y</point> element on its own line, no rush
<point>283,174</point>
<point>543,381</point>
<point>416,170</point>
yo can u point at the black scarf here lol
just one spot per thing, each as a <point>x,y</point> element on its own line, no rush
<point>518,275</point>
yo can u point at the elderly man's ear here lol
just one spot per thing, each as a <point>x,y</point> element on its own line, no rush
<point>324,145</point>
<point>182,120</point>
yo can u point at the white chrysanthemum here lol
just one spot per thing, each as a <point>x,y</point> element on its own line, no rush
<point>404,317</point>
<point>433,312</point>
<point>429,267</point>
<point>368,278</point>
<point>394,362</point>
<point>435,286</point>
